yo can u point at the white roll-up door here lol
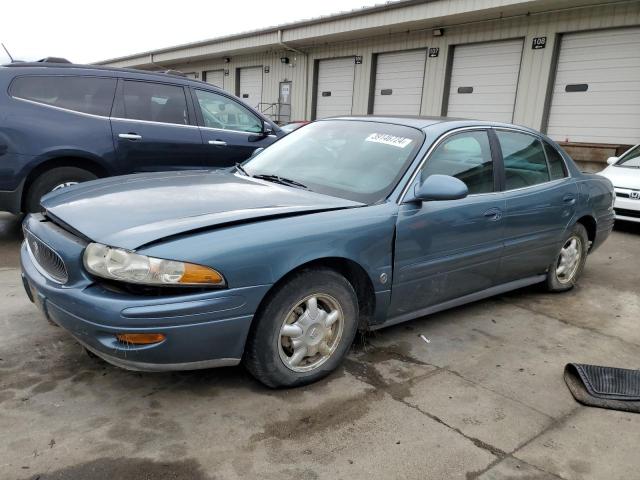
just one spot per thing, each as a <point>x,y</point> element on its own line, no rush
<point>215,77</point>
<point>335,87</point>
<point>596,94</point>
<point>399,82</point>
<point>484,80</point>
<point>251,85</point>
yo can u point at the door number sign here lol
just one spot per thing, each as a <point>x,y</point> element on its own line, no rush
<point>538,43</point>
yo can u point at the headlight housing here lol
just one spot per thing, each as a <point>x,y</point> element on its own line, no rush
<point>125,266</point>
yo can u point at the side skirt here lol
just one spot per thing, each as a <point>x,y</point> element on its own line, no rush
<point>456,302</point>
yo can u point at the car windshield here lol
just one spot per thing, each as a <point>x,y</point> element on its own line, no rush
<point>631,158</point>
<point>356,160</point>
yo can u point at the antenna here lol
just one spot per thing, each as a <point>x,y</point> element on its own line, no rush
<point>5,49</point>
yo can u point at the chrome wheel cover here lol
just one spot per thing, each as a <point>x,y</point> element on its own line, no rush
<point>63,185</point>
<point>569,259</point>
<point>310,332</point>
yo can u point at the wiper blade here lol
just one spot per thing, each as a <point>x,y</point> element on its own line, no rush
<point>281,180</point>
<point>241,168</point>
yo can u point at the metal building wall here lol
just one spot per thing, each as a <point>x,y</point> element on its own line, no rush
<point>533,79</point>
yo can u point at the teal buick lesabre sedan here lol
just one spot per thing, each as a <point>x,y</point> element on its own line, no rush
<point>345,224</point>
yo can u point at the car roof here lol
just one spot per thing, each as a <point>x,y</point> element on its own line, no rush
<point>45,67</point>
<point>422,122</point>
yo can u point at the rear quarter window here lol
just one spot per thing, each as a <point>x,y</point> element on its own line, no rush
<point>93,95</point>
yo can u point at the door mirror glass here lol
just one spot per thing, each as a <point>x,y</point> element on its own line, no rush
<point>441,187</point>
<point>612,160</point>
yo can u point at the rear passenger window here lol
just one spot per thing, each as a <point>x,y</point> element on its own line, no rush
<point>92,95</point>
<point>466,156</point>
<point>154,102</point>
<point>525,163</point>
<point>556,162</point>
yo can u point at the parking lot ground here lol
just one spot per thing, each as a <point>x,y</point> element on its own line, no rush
<point>484,399</point>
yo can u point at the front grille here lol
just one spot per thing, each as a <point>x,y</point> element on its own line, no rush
<point>627,213</point>
<point>46,259</point>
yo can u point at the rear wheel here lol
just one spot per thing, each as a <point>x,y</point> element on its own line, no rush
<point>51,180</point>
<point>564,272</point>
<point>304,331</point>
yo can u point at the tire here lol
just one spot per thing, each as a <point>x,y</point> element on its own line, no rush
<point>561,280</point>
<point>269,355</point>
<point>49,180</point>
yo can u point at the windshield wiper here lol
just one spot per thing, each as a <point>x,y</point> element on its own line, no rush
<point>241,168</point>
<point>280,180</point>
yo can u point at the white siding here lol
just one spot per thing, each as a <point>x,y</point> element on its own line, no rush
<point>335,87</point>
<point>490,72</point>
<point>399,83</point>
<point>608,62</point>
<point>215,77</point>
<point>251,86</point>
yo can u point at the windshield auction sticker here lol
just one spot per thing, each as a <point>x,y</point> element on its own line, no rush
<point>392,140</point>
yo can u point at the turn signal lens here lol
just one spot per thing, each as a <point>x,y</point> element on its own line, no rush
<point>197,274</point>
<point>141,338</point>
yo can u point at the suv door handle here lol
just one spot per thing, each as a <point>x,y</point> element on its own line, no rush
<point>130,136</point>
<point>220,143</point>
<point>493,214</point>
<point>569,198</point>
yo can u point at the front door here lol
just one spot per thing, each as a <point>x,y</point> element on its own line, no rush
<point>230,131</point>
<point>448,249</point>
<point>153,129</point>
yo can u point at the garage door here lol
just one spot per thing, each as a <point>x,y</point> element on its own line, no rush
<point>251,85</point>
<point>399,80</point>
<point>596,94</point>
<point>335,87</point>
<point>484,79</point>
<point>215,77</point>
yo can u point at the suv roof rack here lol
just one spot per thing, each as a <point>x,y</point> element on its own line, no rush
<point>177,73</point>
<point>53,60</point>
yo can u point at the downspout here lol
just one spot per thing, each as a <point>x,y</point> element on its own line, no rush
<point>306,72</point>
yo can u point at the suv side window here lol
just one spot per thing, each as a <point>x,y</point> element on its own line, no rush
<point>219,111</point>
<point>525,163</point>
<point>557,168</point>
<point>466,156</point>
<point>154,102</point>
<point>92,95</point>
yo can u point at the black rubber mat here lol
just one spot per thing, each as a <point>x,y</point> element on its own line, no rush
<point>604,387</point>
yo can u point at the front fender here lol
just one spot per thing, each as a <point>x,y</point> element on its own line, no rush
<point>263,252</point>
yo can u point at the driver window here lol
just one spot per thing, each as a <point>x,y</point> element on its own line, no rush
<point>222,112</point>
<point>466,156</point>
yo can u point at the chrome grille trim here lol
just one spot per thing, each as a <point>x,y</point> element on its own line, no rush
<point>45,258</point>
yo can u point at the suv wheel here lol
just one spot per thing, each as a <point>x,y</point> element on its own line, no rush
<point>51,180</point>
<point>304,331</point>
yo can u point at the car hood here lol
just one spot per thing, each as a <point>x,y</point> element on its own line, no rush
<point>622,177</point>
<point>134,210</point>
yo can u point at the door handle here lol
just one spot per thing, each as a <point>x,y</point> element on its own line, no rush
<point>493,214</point>
<point>569,199</point>
<point>220,143</point>
<point>130,136</point>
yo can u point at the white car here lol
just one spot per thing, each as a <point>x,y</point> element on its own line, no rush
<point>624,173</point>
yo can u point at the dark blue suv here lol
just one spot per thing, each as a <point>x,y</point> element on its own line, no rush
<point>62,124</point>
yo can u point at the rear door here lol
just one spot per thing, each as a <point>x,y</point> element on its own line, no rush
<point>449,249</point>
<point>540,200</point>
<point>154,128</point>
<point>230,131</point>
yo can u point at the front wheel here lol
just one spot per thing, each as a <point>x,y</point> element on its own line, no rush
<point>304,330</point>
<point>564,272</point>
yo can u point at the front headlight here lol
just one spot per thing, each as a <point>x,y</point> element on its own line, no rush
<point>125,266</point>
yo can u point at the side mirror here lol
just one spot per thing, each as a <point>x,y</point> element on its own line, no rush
<point>441,187</point>
<point>256,151</point>
<point>612,160</point>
